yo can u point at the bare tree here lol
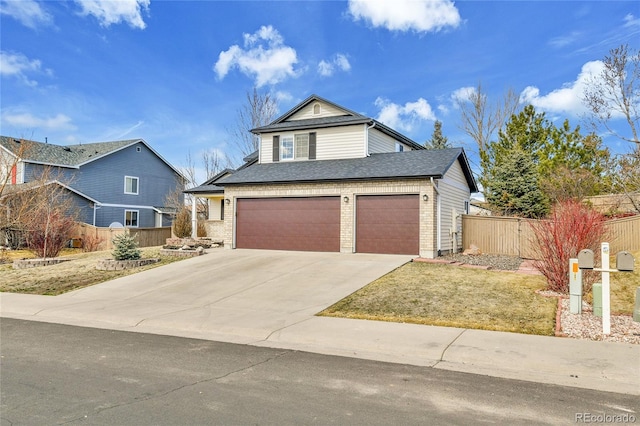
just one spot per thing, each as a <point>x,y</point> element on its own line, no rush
<point>615,91</point>
<point>480,120</point>
<point>260,109</point>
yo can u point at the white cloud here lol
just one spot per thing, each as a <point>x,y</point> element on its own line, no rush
<point>401,117</point>
<point>29,121</point>
<point>27,12</point>
<point>406,15</point>
<point>462,94</point>
<point>566,100</point>
<point>264,57</point>
<point>631,21</point>
<point>328,68</point>
<point>110,12</point>
<point>565,40</point>
<point>18,65</point>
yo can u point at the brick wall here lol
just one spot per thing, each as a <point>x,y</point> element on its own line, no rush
<point>347,214</point>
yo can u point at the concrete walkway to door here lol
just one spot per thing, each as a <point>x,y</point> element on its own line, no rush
<point>270,298</point>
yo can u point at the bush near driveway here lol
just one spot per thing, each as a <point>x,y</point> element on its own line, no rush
<point>446,295</point>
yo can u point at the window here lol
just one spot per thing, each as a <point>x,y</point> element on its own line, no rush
<point>222,209</point>
<point>467,207</point>
<point>294,147</point>
<point>316,109</point>
<point>302,146</point>
<point>131,185</point>
<point>286,148</point>
<point>131,218</point>
<point>399,147</point>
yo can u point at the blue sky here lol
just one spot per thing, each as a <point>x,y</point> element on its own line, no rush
<point>175,72</point>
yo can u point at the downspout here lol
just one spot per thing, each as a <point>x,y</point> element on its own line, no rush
<point>438,217</point>
<point>366,138</point>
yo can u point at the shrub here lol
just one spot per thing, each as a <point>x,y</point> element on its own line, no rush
<point>201,230</point>
<point>571,227</point>
<point>49,233</point>
<point>125,248</point>
<point>91,243</point>
<point>182,224</point>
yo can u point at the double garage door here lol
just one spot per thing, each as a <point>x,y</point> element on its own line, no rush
<point>384,224</point>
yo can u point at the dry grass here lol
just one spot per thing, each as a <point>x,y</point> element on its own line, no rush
<point>80,271</point>
<point>446,295</point>
<point>623,287</point>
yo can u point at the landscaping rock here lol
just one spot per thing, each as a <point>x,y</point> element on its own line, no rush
<point>119,265</point>
<point>34,263</point>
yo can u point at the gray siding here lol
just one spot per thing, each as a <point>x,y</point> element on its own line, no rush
<point>454,192</point>
<point>104,180</point>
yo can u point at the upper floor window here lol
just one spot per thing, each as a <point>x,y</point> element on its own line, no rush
<point>316,109</point>
<point>399,147</point>
<point>131,185</point>
<point>294,147</point>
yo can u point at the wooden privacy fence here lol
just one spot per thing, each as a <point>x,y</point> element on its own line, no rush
<point>514,236</point>
<point>146,237</point>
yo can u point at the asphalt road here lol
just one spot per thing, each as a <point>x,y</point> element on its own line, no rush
<point>58,374</point>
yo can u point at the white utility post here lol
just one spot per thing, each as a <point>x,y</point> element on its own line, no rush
<point>606,294</point>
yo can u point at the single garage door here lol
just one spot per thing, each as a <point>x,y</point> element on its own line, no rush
<point>388,224</point>
<point>305,224</point>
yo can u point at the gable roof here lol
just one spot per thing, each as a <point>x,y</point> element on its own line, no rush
<point>72,156</point>
<point>417,164</point>
<point>15,189</point>
<point>283,123</point>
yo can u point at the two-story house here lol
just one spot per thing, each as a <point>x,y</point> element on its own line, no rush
<point>330,179</point>
<point>109,183</point>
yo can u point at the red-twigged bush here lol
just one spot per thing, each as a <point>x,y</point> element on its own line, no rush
<point>91,243</point>
<point>571,227</point>
<point>49,232</point>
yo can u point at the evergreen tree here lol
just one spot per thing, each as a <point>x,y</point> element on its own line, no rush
<point>125,247</point>
<point>515,190</point>
<point>437,141</point>
<point>566,164</point>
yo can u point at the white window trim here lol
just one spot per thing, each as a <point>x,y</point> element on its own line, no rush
<point>137,185</point>
<point>293,147</point>
<point>137,212</point>
<point>293,137</point>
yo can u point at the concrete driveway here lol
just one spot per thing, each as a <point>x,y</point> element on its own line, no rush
<point>239,296</point>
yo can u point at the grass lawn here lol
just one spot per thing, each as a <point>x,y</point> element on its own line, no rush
<point>445,295</point>
<point>623,287</point>
<point>79,272</point>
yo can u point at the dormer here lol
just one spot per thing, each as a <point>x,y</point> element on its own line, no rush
<point>318,129</point>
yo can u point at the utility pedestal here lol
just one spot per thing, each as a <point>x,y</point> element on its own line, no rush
<point>575,287</point>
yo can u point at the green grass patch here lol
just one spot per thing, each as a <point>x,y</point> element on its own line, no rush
<point>445,295</point>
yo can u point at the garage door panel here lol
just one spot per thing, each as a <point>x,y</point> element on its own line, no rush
<point>388,224</point>
<point>305,224</point>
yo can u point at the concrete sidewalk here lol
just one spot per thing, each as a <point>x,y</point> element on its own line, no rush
<point>269,299</point>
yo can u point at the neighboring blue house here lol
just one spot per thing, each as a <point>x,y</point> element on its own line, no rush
<point>121,182</point>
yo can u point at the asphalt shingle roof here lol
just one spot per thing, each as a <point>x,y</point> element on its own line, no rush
<point>395,165</point>
<point>62,155</point>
